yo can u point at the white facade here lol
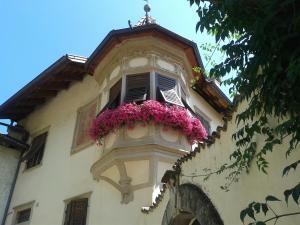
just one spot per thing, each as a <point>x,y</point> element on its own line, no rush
<point>65,173</point>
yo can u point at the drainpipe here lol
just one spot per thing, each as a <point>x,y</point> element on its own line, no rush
<point>12,190</point>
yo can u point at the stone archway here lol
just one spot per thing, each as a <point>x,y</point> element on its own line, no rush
<point>190,205</point>
<point>185,218</point>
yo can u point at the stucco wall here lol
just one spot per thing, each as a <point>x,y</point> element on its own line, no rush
<point>254,186</point>
<point>9,159</point>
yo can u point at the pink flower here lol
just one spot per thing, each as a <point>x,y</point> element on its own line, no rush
<point>149,112</point>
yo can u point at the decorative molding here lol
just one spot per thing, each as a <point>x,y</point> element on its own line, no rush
<point>118,158</point>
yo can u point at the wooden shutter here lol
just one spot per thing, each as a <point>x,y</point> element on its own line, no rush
<point>115,95</point>
<point>76,212</point>
<point>36,150</point>
<point>166,89</point>
<point>137,87</point>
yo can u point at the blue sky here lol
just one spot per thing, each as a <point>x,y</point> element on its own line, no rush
<point>35,33</point>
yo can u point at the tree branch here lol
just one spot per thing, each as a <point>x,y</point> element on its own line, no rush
<point>282,215</point>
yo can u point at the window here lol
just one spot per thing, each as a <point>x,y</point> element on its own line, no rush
<point>137,88</point>
<point>36,151</point>
<point>76,212</point>
<point>204,121</point>
<point>85,116</point>
<point>115,95</point>
<point>167,90</point>
<point>23,216</point>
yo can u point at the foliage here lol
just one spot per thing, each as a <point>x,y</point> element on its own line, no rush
<point>149,112</point>
<point>261,43</point>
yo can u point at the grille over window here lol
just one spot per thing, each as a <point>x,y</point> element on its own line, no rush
<point>23,216</point>
<point>76,212</point>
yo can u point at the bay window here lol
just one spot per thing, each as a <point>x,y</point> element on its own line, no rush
<point>140,87</point>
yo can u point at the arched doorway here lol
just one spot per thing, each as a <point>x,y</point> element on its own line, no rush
<point>189,205</point>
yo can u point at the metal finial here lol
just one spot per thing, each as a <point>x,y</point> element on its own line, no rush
<point>147,19</point>
<point>147,9</point>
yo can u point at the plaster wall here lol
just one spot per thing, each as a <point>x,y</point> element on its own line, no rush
<point>9,159</point>
<point>254,186</point>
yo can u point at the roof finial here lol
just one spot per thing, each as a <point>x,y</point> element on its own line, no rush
<point>147,19</point>
<point>147,9</point>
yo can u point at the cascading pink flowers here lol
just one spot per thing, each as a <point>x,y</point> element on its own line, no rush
<point>149,112</point>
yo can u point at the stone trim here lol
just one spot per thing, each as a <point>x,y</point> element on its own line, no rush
<point>74,148</point>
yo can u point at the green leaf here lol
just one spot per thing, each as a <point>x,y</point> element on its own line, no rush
<point>287,194</point>
<point>291,166</point>
<point>198,25</point>
<point>250,213</point>
<point>257,207</point>
<point>243,215</point>
<point>260,223</point>
<point>264,208</point>
<point>271,198</point>
<point>296,193</point>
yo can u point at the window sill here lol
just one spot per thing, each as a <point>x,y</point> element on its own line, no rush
<point>30,169</point>
<point>81,147</point>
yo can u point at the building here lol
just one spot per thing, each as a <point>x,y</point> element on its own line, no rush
<point>11,147</point>
<point>65,177</point>
<point>143,172</point>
